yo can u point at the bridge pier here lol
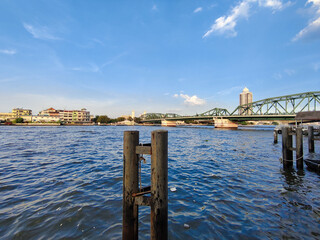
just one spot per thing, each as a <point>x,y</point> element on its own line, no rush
<point>166,123</point>
<point>224,123</point>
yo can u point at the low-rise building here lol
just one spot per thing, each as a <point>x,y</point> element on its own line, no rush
<point>26,114</point>
<point>75,116</point>
<point>50,112</point>
<point>22,112</point>
<point>7,116</point>
<point>45,119</point>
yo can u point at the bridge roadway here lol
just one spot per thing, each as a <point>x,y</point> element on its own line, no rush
<point>237,118</point>
<point>276,108</point>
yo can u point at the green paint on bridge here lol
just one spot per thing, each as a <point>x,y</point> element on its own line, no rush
<point>276,108</point>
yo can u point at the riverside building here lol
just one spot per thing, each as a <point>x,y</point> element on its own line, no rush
<point>74,116</point>
<point>26,114</point>
<point>245,98</point>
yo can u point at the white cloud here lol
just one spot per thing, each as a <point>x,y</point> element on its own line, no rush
<point>154,7</point>
<point>225,25</point>
<point>275,4</point>
<point>8,51</point>
<point>199,9</point>
<point>191,101</point>
<point>40,32</point>
<point>312,30</point>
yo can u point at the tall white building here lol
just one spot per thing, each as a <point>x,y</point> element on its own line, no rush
<point>245,98</point>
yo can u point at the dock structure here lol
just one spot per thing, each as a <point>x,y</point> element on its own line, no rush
<point>135,195</point>
<point>287,145</point>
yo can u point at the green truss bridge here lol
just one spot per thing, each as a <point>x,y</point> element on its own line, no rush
<point>276,108</point>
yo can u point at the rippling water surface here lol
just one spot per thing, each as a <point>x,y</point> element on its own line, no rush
<point>66,183</point>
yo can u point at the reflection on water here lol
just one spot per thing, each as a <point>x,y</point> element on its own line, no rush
<point>66,182</point>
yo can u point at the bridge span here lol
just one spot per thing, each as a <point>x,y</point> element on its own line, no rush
<point>276,108</point>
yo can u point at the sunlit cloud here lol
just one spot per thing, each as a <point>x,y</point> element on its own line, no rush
<point>312,30</point>
<point>226,24</point>
<point>8,51</point>
<point>191,100</point>
<point>42,32</point>
<point>199,9</point>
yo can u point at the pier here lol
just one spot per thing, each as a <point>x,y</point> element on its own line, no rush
<point>288,149</point>
<point>135,195</point>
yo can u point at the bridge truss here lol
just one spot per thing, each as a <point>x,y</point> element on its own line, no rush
<point>288,105</point>
<point>284,105</point>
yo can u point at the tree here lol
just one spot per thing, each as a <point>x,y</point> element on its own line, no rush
<point>19,120</point>
<point>95,119</point>
<point>137,120</point>
<point>120,119</point>
<point>103,119</point>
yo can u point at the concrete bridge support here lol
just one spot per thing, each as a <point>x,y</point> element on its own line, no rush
<point>224,123</point>
<point>166,123</point>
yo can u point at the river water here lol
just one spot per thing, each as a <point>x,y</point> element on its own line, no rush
<point>66,183</point>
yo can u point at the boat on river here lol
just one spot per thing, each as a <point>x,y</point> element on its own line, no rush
<point>313,164</point>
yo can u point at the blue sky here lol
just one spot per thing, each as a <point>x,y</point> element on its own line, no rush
<point>185,56</point>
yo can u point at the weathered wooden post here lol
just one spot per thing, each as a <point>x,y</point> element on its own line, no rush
<point>310,139</point>
<point>159,185</point>
<point>299,148</point>
<point>130,185</point>
<point>133,196</point>
<point>275,136</point>
<point>287,155</point>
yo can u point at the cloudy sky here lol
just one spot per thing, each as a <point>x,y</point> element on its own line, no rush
<point>181,56</point>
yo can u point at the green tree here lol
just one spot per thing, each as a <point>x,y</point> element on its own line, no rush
<point>95,119</point>
<point>137,120</point>
<point>120,119</point>
<point>19,120</point>
<point>103,119</point>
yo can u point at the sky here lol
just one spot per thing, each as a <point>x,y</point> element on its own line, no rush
<point>182,56</point>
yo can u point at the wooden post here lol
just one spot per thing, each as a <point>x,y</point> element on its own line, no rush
<point>287,155</point>
<point>159,185</point>
<point>299,148</point>
<point>275,136</point>
<point>310,139</point>
<point>130,185</point>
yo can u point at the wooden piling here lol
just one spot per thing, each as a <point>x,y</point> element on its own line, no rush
<point>299,148</point>
<point>159,185</point>
<point>130,185</point>
<point>275,136</point>
<point>310,139</point>
<point>287,155</point>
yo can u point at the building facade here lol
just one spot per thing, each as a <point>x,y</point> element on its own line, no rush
<point>21,112</point>
<point>45,119</point>
<point>245,98</point>
<point>26,114</point>
<point>50,112</point>
<point>75,116</point>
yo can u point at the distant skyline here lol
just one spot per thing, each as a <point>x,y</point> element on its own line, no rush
<point>184,57</point>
